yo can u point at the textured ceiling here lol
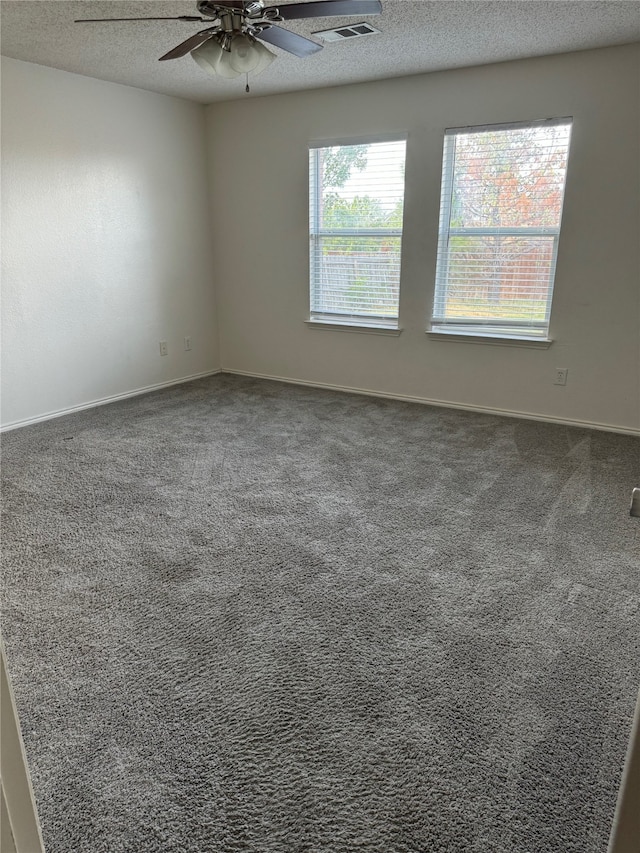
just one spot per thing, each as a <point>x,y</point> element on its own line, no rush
<point>417,36</point>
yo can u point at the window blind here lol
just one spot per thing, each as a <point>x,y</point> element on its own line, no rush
<point>500,213</point>
<point>355,213</point>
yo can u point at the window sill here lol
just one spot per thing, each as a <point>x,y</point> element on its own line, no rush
<point>368,328</point>
<point>493,339</point>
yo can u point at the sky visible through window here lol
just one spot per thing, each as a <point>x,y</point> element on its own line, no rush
<point>384,168</point>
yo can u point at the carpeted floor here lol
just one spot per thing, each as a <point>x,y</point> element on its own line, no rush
<point>246,616</point>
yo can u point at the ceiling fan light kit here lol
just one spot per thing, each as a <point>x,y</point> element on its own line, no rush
<point>234,44</point>
<point>243,55</point>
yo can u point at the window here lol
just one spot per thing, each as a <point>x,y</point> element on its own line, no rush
<point>356,200</point>
<point>500,212</point>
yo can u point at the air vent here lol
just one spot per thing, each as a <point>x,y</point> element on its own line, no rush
<point>352,31</point>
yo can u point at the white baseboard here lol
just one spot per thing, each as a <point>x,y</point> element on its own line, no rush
<point>447,404</point>
<point>103,401</point>
<point>428,401</point>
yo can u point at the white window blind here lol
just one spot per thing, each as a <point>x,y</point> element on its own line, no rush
<point>500,213</point>
<point>355,214</point>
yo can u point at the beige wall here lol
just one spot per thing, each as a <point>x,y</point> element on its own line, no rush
<point>108,247</point>
<point>259,179</point>
<point>106,241</point>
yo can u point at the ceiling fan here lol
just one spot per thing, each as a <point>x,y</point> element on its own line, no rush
<point>233,45</point>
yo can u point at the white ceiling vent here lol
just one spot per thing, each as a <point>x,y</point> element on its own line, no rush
<point>352,31</point>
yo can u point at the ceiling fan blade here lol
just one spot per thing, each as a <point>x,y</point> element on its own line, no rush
<point>190,44</point>
<point>102,20</point>
<point>291,42</point>
<point>327,8</point>
<point>211,6</point>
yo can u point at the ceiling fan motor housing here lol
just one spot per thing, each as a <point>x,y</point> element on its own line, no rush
<point>252,9</point>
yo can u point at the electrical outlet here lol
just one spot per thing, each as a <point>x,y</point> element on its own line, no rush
<point>561,376</point>
<point>187,343</point>
<point>164,349</point>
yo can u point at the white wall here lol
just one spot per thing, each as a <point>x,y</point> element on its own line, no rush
<point>262,284</point>
<point>108,246</point>
<point>106,241</point>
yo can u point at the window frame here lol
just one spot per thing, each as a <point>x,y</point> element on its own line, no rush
<point>345,321</point>
<point>508,330</point>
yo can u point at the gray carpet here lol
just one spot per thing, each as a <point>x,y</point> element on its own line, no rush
<point>246,616</point>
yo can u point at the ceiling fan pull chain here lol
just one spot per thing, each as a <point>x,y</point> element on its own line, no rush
<point>246,88</point>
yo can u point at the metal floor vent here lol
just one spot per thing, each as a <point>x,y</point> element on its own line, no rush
<point>352,31</point>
